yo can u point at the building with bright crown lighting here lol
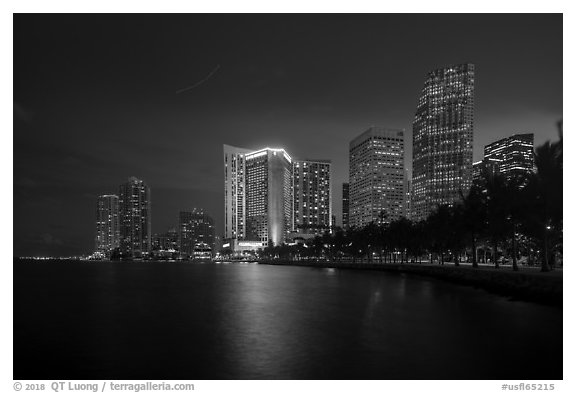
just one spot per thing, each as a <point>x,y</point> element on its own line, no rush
<point>269,210</point>
<point>268,196</point>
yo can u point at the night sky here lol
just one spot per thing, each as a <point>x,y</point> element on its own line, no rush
<point>95,100</point>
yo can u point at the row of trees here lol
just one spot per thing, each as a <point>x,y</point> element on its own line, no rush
<point>518,214</point>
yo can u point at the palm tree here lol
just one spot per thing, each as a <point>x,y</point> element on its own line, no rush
<point>544,194</point>
<point>496,199</point>
<point>473,216</point>
<point>438,227</point>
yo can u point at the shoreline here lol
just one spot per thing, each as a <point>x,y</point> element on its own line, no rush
<point>527,284</point>
<point>537,287</point>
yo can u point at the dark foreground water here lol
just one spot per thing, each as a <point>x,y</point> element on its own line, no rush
<point>103,320</point>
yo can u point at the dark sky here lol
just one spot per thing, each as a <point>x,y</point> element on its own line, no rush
<point>95,100</point>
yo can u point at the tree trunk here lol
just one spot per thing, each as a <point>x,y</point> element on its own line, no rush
<point>495,253</point>
<point>474,259</point>
<point>514,253</point>
<point>545,264</point>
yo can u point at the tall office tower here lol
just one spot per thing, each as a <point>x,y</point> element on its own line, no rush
<point>107,224</point>
<point>376,176</point>
<point>312,196</point>
<point>443,131</point>
<point>135,218</point>
<point>268,179</point>
<point>234,192</point>
<point>513,155</point>
<point>345,205</point>
<point>195,227</point>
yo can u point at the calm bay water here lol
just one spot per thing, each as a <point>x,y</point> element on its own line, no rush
<point>111,320</point>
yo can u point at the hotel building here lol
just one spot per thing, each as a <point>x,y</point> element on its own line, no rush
<point>269,196</point>
<point>234,192</point>
<point>268,192</point>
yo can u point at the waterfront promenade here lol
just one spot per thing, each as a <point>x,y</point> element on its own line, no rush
<point>527,284</point>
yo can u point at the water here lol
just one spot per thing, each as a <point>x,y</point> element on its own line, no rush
<point>103,320</point>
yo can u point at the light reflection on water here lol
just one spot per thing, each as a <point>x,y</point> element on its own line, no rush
<point>249,321</point>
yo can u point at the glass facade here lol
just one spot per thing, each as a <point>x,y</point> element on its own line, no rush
<point>443,132</point>
<point>377,176</point>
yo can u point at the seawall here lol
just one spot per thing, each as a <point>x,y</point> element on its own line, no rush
<point>530,285</point>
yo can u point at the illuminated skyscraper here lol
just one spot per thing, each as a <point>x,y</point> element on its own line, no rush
<point>479,167</point>
<point>234,192</point>
<point>267,195</point>
<point>195,227</point>
<point>107,224</point>
<point>312,196</point>
<point>269,203</point>
<point>345,205</point>
<point>443,131</point>
<point>377,176</point>
<point>513,155</point>
<point>135,218</point>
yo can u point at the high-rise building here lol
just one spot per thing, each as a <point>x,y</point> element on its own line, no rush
<point>135,218</point>
<point>269,203</point>
<point>195,228</point>
<point>407,196</point>
<point>443,132</point>
<point>486,165</point>
<point>345,205</point>
<point>513,155</point>
<point>477,168</point>
<point>107,224</point>
<point>234,192</point>
<point>376,176</point>
<point>166,241</point>
<point>268,195</point>
<point>312,196</point>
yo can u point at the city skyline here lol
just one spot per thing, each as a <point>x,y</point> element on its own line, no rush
<point>288,103</point>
